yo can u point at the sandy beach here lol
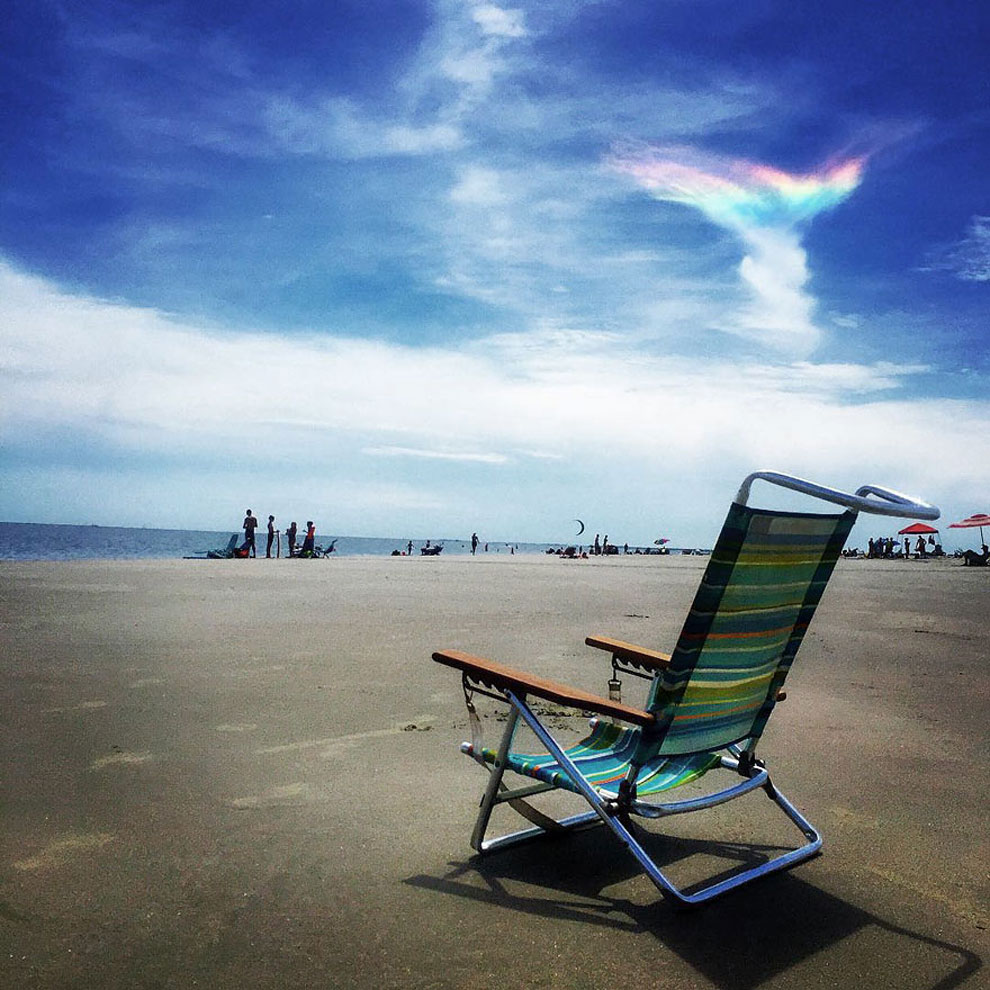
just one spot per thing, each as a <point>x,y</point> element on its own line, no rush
<point>246,774</point>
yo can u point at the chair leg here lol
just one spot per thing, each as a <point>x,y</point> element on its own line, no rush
<point>496,773</point>
<point>782,862</point>
<point>496,792</point>
<point>614,821</point>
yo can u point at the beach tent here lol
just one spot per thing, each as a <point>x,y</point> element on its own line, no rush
<point>980,519</point>
<point>916,529</point>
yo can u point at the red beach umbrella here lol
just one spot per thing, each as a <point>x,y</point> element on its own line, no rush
<point>980,519</point>
<point>916,528</point>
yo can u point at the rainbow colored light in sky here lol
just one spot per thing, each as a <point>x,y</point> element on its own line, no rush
<point>736,193</point>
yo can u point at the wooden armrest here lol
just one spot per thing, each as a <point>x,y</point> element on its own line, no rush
<point>498,676</point>
<point>650,659</point>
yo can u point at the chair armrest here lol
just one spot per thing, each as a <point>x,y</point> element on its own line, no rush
<point>638,655</point>
<point>500,677</point>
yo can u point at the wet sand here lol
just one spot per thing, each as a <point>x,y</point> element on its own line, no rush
<point>246,774</point>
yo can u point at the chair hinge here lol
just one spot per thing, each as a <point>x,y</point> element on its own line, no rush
<point>748,763</point>
<point>627,793</point>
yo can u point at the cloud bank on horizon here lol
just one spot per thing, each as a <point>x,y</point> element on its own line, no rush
<point>399,274</point>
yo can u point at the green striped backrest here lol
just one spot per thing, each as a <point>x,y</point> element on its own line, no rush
<point>763,582</point>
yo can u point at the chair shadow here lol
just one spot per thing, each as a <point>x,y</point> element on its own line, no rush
<point>725,940</point>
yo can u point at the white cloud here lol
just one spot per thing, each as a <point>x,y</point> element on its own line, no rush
<point>602,415</point>
<point>848,321</point>
<point>405,140</point>
<point>338,128</point>
<point>459,62</point>
<point>436,455</point>
<point>499,21</point>
<point>782,312</point>
<point>969,259</point>
<point>478,186</point>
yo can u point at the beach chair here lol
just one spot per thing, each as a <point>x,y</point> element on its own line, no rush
<point>227,551</point>
<point>220,553</point>
<point>708,701</point>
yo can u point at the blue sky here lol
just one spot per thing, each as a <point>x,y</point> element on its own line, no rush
<point>430,268</point>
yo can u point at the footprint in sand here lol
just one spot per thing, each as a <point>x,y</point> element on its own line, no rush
<point>287,795</point>
<point>61,851</point>
<point>121,759</point>
<point>83,706</point>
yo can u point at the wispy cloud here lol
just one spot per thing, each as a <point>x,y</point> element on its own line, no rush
<point>967,259</point>
<point>499,21</point>
<point>338,128</point>
<point>484,207</point>
<point>436,455</point>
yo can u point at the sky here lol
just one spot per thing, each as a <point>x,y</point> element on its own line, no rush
<point>419,269</point>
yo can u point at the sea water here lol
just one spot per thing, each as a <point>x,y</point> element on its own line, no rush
<point>42,541</point>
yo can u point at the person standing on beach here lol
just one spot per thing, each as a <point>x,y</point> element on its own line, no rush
<point>250,524</point>
<point>310,541</point>
<point>474,544</point>
<point>290,536</point>
<point>271,536</point>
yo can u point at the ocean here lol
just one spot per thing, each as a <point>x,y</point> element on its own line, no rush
<point>43,541</point>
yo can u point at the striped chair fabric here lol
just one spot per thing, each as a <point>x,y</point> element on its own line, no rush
<point>762,585</point>
<point>758,594</point>
<point>604,759</point>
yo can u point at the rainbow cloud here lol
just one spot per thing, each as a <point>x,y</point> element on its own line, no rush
<point>765,208</point>
<point>739,194</point>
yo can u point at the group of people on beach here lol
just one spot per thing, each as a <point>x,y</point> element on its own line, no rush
<point>249,548</point>
<point>887,547</point>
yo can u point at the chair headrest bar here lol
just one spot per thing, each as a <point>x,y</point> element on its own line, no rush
<point>884,502</point>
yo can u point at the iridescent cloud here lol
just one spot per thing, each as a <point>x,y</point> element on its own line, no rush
<point>736,193</point>
<point>765,208</point>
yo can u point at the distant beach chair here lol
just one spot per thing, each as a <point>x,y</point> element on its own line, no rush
<point>708,703</point>
<point>315,552</point>
<point>227,551</point>
<point>230,550</point>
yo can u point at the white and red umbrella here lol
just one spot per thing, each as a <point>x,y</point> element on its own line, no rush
<point>980,519</point>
